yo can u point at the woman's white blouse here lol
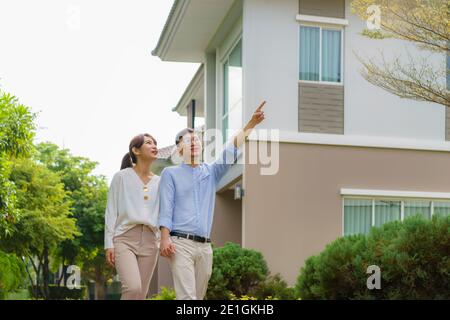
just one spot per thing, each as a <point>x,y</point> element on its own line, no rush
<point>130,202</point>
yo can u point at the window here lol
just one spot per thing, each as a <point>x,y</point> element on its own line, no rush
<point>357,216</point>
<point>232,92</point>
<point>362,214</point>
<point>386,211</point>
<point>320,54</point>
<point>441,208</point>
<point>417,207</point>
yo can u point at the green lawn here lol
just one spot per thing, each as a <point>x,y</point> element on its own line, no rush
<point>21,294</point>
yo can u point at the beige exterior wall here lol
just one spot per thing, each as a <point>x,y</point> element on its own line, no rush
<point>447,123</point>
<point>325,8</point>
<point>294,214</point>
<point>321,108</point>
<point>227,224</point>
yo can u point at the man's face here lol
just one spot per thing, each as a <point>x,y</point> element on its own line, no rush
<point>190,146</point>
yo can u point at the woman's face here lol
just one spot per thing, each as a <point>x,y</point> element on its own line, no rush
<point>148,150</point>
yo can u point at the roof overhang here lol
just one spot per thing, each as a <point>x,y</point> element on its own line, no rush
<point>189,28</point>
<point>194,91</point>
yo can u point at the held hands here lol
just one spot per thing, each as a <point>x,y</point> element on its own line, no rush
<point>167,247</point>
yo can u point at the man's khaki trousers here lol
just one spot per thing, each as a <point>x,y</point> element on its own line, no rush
<point>191,267</point>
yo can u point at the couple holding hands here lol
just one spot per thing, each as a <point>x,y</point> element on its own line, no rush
<point>147,215</point>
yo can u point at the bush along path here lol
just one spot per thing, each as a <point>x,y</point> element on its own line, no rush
<point>413,258</point>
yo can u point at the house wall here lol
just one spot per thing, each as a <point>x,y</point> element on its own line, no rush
<point>321,108</point>
<point>447,124</point>
<point>324,8</point>
<point>295,213</point>
<point>271,59</point>
<point>227,225</point>
<point>369,110</point>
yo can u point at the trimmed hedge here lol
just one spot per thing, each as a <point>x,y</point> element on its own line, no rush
<point>235,271</point>
<point>273,288</point>
<point>413,255</point>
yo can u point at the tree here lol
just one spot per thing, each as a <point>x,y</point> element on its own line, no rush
<point>45,220</point>
<point>17,130</point>
<point>12,272</point>
<point>421,22</point>
<point>88,193</point>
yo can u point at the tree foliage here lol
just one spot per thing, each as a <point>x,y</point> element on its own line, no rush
<point>17,129</point>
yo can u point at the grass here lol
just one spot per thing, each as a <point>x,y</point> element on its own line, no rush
<point>21,294</point>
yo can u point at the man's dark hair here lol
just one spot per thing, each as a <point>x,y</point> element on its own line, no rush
<point>182,133</point>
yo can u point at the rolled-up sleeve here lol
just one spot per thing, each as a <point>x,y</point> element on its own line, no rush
<point>166,200</point>
<point>227,158</point>
<point>111,212</point>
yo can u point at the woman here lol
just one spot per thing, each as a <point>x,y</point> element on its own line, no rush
<point>131,217</point>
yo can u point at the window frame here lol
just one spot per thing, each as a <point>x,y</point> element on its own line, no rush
<point>322,26</point>
<point>223,61</point>
<point>402,201</point>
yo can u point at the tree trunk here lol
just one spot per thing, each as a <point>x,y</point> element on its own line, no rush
<point>37,271</point>
<point>46,273</point>
<point>100,290</point>
<point>100,286</point>
<point>33,290</point>
<point>63,278</point>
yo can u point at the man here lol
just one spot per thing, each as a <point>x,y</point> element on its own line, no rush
<point>187,194</point>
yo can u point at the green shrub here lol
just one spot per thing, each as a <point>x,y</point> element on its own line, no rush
<point>413,255</point>
<point>12,273</point>
<point>61,293</point>
<point>235,271</point>
<point>166,294</point>
<point>273,287</point>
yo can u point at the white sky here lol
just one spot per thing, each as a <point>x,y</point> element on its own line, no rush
<point>86,65</point>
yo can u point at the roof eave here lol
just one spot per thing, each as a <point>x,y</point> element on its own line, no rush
<point>193,86</point>
<point>168,28</point>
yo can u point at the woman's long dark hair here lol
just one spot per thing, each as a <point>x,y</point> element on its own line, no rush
<point>129,159</point>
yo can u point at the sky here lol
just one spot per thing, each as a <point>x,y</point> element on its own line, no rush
<point>86,67</point>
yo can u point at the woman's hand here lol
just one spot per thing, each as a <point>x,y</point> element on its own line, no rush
<point>167,247</point>
<point>110,257</point>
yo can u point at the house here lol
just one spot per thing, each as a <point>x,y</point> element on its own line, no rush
<point>351,155</point>
<point>164,159</point>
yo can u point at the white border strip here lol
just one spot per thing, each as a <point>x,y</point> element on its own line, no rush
<point>325,20</point>
<point>356,141</point>
<point>395,194</point>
